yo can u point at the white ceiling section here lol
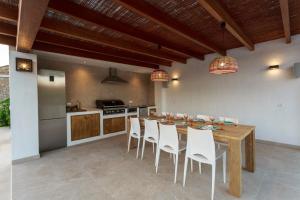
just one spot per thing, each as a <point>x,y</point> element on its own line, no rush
<point>47,58</point>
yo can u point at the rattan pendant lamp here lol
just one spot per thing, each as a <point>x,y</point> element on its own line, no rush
<point>223,64</point>
<point>159,75</point>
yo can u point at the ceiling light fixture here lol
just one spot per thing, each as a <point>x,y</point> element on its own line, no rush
<point>159,75</point>
<point>223,64</point>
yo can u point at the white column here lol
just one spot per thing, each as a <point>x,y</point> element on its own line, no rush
<point>24,109</point>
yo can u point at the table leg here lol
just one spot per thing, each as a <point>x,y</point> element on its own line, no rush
<point>250,152</point>
<point>235,167</point>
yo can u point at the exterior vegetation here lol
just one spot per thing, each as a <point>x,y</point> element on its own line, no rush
<point>4,113</point>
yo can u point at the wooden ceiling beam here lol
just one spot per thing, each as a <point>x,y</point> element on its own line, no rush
<point>82,34</point>
<point>284,6</point>
<point>11,30</point>
<point>70,8</point>
<point>95,48</point>
<point>8,40</point>
<point>11,40</point>
<point>150,12</point>
<point>221,15</point>
<point>31,13</point>
<point>86,54</point>
<point>70,30</point>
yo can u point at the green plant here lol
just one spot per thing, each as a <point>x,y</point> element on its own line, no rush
<point>4,113</point>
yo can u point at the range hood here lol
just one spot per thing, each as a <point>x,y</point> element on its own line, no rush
<point>113,77</point>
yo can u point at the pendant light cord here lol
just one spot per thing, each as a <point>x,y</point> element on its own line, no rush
<point>223,24</point>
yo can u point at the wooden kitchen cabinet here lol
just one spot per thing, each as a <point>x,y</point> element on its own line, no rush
<point>112,125</point>
<point>85,126</point>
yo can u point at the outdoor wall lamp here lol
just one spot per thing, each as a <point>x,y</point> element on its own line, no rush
<point>23,65</point>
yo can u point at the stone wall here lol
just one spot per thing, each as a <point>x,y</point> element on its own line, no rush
<point>4,83</point>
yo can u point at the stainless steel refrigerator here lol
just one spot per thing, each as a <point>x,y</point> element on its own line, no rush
<point>52,109</point>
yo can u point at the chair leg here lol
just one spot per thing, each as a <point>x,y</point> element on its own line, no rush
<point>153,147</point>
<point>138,148</point>
<point>200,168</point>
<point>129,140</point>
<point>192,167</point>
<point>176,166</point>
<point>143,148</point>
<point>174,158</point>
<point>213,173</point>
<point>157,158</point>
<point>224,167</point>
<point>186,162</point>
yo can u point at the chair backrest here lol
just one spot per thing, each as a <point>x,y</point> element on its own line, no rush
<point>151,129</point>
<point>164,114</point>
<point>168,136</point>
<point>201,142</point>
<point>179,115</point>
<point>203,117</point>
<point>135,126</point>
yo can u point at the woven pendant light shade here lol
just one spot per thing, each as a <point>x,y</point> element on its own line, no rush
<point>223,65</point>
<point>159,75</point>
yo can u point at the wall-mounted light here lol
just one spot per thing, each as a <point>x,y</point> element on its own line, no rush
<point>23,65</point>
<point>273,67</point>
<point>175,79</point>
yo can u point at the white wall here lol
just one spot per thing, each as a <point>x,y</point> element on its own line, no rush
<point>24,108</point>
<point>270,100</point>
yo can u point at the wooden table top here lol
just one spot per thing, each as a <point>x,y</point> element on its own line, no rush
<point>224,133</point>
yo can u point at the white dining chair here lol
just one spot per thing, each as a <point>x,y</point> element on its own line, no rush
<point>150,135</point>
<point>205,118</point>
<point>135,132</point>
<point>179,116</point>
<point>234,121</point>
<point>168,142</point>
<point>201,148</point>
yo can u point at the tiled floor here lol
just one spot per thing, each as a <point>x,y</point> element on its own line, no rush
<point>5,164</point>
<point>103,170</point>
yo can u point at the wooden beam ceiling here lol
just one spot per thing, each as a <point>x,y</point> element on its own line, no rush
<point>83,34</point>
<point>219,13</point>
<point>11,40</point>
<point>284,6</point>
<point>148,11</point>
<point>11,30</point>
<point>31,13</point>
<point>76,52</point>
<point>87,46</point>
<point>79,33</point>
<point>70,8</point>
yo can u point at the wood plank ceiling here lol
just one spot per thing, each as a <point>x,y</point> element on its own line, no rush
<point>145,33</point>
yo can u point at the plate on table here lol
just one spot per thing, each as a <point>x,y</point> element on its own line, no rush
<point>209,127</point>
<point>228,123</point>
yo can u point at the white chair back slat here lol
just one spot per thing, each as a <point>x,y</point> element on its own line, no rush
<point>168,137</point>
<point>135,128</point>
<point>201,142</point>
<point>151,129</point>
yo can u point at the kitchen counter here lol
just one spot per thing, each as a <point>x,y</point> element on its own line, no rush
<point>91,124</point>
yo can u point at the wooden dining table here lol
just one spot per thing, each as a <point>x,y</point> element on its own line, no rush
<point>233,136</point>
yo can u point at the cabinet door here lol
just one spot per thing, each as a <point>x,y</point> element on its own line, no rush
<point>113,125</point>
<point>107,126</point>
<point>85,126</point>
<point>118,124</point>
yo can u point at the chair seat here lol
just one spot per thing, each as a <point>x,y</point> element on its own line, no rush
<point>203,159</point>
<point>150,139</point>
<point>136,136</point>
